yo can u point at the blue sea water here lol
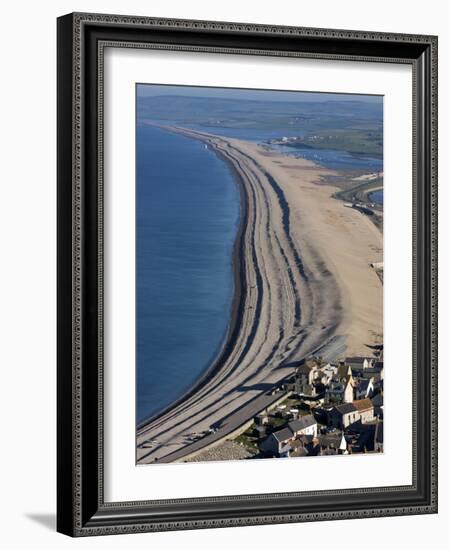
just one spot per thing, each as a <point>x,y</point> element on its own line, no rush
<point>377,196</point>
<point>187,212</point>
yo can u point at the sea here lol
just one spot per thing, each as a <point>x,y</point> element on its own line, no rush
<point>187,214</point>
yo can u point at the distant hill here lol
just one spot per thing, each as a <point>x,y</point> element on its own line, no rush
<point>305,116</point>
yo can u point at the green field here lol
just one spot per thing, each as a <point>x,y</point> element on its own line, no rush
<point>355,141</point>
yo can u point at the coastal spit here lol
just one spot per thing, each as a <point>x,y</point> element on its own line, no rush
<point>303,283</point>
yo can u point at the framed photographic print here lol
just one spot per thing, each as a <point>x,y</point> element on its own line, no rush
<point>246,274</point>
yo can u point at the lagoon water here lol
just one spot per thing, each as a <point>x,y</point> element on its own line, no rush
<point>333,159</point>
<point>377,196</point>
<point>187,212</point>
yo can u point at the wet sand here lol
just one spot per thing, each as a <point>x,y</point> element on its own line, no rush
<point>302,272</point>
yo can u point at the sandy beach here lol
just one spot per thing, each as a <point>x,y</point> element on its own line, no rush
<point>303,280</point>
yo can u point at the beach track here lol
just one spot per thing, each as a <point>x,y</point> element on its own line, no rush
<point>287,304</point>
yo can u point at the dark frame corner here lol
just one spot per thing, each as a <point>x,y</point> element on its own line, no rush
<point>81,510</point>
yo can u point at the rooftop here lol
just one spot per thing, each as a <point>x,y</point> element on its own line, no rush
<point>363,384</point>
<point>344,371</point>
<point>379,433</point>
<point>346,408</point>
<point>331,440</point>
<point>306,368</point>
<point>283,434</point>
<point>300,451</point>
<point>378,400</point>
<point>302,423</point>
<point>363,404</point>
<point>357,359</point>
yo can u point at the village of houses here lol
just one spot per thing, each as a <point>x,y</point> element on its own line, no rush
<point>328,409</point>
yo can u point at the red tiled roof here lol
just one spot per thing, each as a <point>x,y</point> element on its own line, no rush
<point>363,405</point>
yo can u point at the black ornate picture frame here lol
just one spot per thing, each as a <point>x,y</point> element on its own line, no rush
<point>81,509</point>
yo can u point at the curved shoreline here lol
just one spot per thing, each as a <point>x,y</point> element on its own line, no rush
<point>238,299</point>
<point>289,302</point>
<point>246,238</point>
<point>240,282</point>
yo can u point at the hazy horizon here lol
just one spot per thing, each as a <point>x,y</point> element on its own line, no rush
<point>145,90</point>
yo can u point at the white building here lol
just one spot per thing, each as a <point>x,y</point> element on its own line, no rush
<point>305,425</point>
